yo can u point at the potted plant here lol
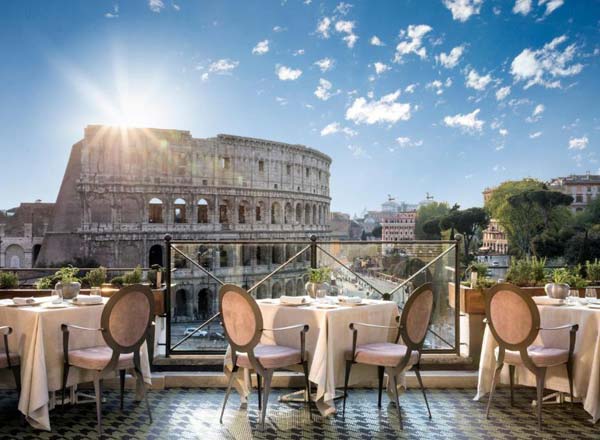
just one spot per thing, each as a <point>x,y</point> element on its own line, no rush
<point>317,279</point>
<point>96,277</point>
<point>559,287</point>
<point>68,282</point>
<point>478,270</point>
<point>9,280</point>
<point>592,271</point>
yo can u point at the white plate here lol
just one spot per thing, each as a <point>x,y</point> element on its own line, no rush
<point>350,304</point>
<point>327,306</point>
<point>86,304</point>
<point>594,306</point>
<point>50,305</point>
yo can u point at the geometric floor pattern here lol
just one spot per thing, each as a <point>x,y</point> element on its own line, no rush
<point>181,414</point>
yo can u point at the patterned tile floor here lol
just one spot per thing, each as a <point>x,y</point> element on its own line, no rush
<point>194,414</point>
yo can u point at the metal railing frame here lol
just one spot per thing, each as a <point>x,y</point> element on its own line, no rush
<point>314,247</point>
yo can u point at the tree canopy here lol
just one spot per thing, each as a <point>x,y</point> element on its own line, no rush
<point>427,213</point>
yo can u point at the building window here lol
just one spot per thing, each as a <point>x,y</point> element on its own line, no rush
<point>258,214</point>
<point>242,214</point>
<point>179,211</point>
<point>202,211</point>
<point>307,171</point>
<point>223,261</point>
<point>225,163</point>
<point>288,169</point>
<point>579,198</point>
<point>155,209</point>
<point>261,166</point>
<point>223,218</point>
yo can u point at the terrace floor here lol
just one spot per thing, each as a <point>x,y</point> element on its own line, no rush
<point>194,414</point>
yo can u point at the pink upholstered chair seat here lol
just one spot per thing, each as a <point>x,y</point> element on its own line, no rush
<point>14,359</point>
<point>385,354</point>
<point>271,356</point>
<point>541,356</point>
<point>96,358</point>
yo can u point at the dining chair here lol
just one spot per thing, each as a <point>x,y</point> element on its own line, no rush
<point>243,325</point>
<point>514,320</point>
<point>395,358</point>
<point>125,323</point>
<point>9,359</point>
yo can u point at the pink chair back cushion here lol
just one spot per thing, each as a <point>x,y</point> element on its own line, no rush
<point>238,317</point>
<point>419,315</point>
<point>510,317</point>
<point>129,318</point>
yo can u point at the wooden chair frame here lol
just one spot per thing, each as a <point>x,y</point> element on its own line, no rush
<point>540,372</point>
<point>5,331</point>
<point>248,349</point>
<point>411,345</point>
<point>117,349</point>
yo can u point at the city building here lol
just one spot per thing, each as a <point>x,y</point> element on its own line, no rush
<point>582,187</point>
<point>494,239</point>
<point>399,226</point>
<point>344,228</point>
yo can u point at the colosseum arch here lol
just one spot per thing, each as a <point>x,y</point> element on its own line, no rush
<point>244,212</point>
<point>298,213</point>
<point>224,212</point>
<point>180,304</point>
<point>155,256</point>
<point>155,210</point>
<point>202,211</point>
<point>276,290</point>
<point>288,216</point>
<point>289,288</point>
<point>205,303</point>
<point>277,254</point>
<point>259,212</point>
<point>299,287</point>
<point>14,257</point>
<point>307,214</point>
<point>275,213</point>
<point>314,214</point>
<point>179,211</point>
<point>320,215</point>
<point>262,291</point>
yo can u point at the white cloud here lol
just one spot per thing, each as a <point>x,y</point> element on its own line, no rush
<point>496,10</point>
<point>503,132</point>
<point>375,41</point>
<point>535,135</point>
<point>385,109</point>
<point>406,142</point>
<point>114,13</point>
<point>156,5</point>
<point>336,127</point>
<point>261,48</point>
<point>323,27</point>
<point>287,73</point>
<point>578,143</point>
<point>547,65</point>
<point>347,27</point>
<point>551,5</point>
<point>325,64</point>
<point>463,9</point>
<point>450,60</point>
<point>410,88</point>
<point>380,67</point>
<point>204,76</point>
<point>467,122</point>
<point>323,91</point>
<point>502,93</point>
<point>298,52</point>
<point>476,81</point>
<point>436,85</point>
<point>522,7</point>
<point>358,151</point>
<point>223,66</point>
<point>536,115</point>
<point>279,29</point>
<point>176,7</point>
<point>413,42</point>
<point>281,101</point>
<point>343,8</point>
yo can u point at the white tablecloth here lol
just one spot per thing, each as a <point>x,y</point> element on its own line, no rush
<point>586,367</point>
<point>327,341</point>
<point>37,338</point>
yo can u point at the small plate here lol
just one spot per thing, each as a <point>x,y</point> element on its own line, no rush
<point>327,306</point>
<point>593,305</point>
<point>51,305</point>
<point>86,304</point>
<point>294,305</point>
<point>349,304</point>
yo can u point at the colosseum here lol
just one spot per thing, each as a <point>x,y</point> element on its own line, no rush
<point>125,188</point>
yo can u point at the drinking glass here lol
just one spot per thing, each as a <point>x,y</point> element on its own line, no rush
<point>321,293</point>
<point>573,296</point>
<point>590,295</point>
<point>59,295</point>
<point>95,291</point>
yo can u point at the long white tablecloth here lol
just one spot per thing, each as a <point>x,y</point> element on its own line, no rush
<point>37,338</point>
<point>586,368</point>
<point>327,341</point>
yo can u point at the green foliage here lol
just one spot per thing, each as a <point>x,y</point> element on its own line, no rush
<point>67,275</point>
<point>320,275</point>
<point>376,232</point>
<point>133,277</point>
<point>592,270</point>
<point>526,272</point>
<point>480,268</point>
<point>117,281</point>
<point>9,280</point>
<point>427,213</point>
<point>96,277</point>
<point>484,283</point>
<point>468,222</point>
<point>152,274</point>
<point>46,282</point>
<point>560,276</point>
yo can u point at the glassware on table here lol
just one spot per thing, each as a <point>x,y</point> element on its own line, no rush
<point>95,291</point>
<point>57,296</point>
<point>590,295</point>
<point>573,297</point>
<point>321,293</point>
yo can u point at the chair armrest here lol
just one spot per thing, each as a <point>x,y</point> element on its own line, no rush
<point>289,327</point>
<point>303,332</point>
<point>485,321</point>
<point>5,330</point>
<point>66,327</point>
<point>362,324</point>
<point>573,327</point>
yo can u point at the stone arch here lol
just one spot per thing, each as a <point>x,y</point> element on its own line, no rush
<point>205,303</point>
<point>307,214</point>
<point>299,287</point>
<point>244,212</point>
<point>262,255</point>
<point>277,254</point>
<point>320,215</point>
<point>314,214</point>
<point>276,290</point>
<point>203,216</point>
<point>179,211</point>
<point>155,211</point>
<point>290,250</point>
<point>35,253</point>
<point>288,214</point>
<point>259,212</point>
<point>224,212</point>
<point>298,213</point>
<point>262,291</point>
<point>275,213</point>
<point>180,303</point>
<point>15,256</point>
<point>289,288</point>
<point>246,251</point>
<point>100,210</point>
<point>155,256</point>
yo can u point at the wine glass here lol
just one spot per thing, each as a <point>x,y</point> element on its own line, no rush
<point>95,291</point>
<point>573,296</point>
<point>590,295</point>
<point>57,292</point>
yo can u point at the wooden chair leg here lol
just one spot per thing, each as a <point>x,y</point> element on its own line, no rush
<point>16,371</point>
<point>570,376</point>
<point>380,371</point>
<point>229,384</point>
<point>395,384</point>
<point>98,392</point>
<point>540,380</point>
<point>418,374</point>
<point>122,385</point>
<point>511,373</point>
<point>307,381</point>
<point>495,378</point>
<point>268,377</point>
<point>258,380</point>
<point>346,379</point>
<point>64,383</point>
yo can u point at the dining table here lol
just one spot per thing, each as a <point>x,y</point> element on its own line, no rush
<point>38,339</point>
<point>327,341</point>
<point>586,355</point>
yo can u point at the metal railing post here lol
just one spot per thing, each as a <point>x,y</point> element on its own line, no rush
<point>457,238</point>
<point>313,251</point>
<point>168,294</point>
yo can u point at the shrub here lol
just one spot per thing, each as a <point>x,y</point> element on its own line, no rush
<point>9,280</point>
<point>561,276</point>
<point>480,268</point>
<point>96,277</point>
<point>592,270</point>
<point>320,275</point>
<point>117,281</point>
<point>67,275</point>
<point>527,272</point>
<point>46,283</point>
<point>133,277</point>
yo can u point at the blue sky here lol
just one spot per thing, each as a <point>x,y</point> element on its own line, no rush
<point>407,97</point>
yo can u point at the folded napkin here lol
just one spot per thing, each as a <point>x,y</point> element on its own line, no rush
<point>284,299</point>
<point>24,301</point>
<point>350,299</point>
<point>87,299</point>
<point>547,301</point>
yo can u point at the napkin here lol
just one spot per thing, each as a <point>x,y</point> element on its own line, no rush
<point>87,299</point>
<point>547,301</point>
<point>350,299</point>
<point>294,299</point>
<point>24,301</point>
